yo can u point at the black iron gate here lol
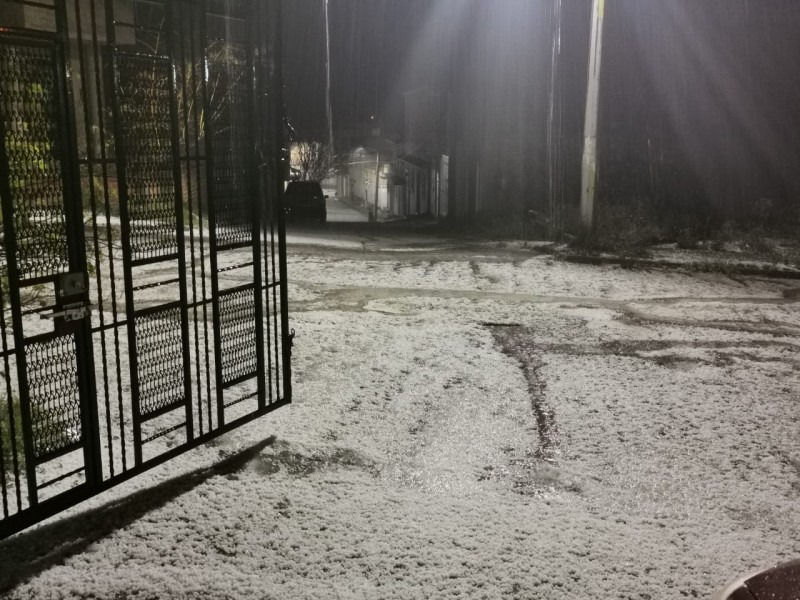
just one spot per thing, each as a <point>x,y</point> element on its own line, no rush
<point>142,265</point>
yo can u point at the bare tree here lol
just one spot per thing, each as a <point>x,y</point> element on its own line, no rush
<point>312,160</point>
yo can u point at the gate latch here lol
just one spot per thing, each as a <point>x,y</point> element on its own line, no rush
<point>71,312</point>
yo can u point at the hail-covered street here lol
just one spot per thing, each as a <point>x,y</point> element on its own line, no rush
<point>472,420</point>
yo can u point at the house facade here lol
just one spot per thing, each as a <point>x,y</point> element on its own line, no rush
<point>368,178</point>
<point>412,176</point>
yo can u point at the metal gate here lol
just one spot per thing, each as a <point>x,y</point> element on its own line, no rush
<point>142,266</point>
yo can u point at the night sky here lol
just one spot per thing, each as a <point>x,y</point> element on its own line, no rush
<point>700,102</point>
<point>369,44</point>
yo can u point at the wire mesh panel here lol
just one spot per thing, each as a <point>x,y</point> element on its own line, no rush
<point>141,217</point>
<point>144,93</point>
<point>55,401</point>
<point>231,145</point>
<point>159,351</point>
<point>29,96</point>
<point>238,335</point>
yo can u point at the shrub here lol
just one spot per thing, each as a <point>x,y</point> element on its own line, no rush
<point>622,229</point>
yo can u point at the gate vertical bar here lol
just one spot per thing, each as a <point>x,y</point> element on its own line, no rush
<point>199,49</point>
<point>76,239</point>
<point>112,76</point>
<point>287,337</point>
<point>99,69</point>
<point>212,215</point>
<point>188,14</point>
<point>273,189</point>
<point>277,190</point>
<point>170,8</point>
<point>90,167</point>
<point>254,55</point>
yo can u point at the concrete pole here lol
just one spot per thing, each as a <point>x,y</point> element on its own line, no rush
<point>329,106</point>
<point>589,170</point>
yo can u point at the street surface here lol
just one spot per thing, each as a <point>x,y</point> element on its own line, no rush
<point>340,212</point>
<point>473,420</point>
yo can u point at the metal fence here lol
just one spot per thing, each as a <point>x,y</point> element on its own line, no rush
<point>142,266</point>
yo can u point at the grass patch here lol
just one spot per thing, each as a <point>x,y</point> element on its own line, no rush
<point>627,231</point>
<point>630,231</point>
<point>756,242</point>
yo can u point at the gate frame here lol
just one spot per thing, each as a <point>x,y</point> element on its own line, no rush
<point>265,61</point>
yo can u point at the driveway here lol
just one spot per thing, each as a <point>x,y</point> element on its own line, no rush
<point>473,420</point>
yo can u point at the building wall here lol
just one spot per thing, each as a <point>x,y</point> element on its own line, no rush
<point>357,182</point>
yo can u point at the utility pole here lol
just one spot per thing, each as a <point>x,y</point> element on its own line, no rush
<point>329,108</point>
<point>554,127</point>
<point>589,170</point>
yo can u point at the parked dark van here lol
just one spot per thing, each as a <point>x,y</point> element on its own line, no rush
<point>304,200</point>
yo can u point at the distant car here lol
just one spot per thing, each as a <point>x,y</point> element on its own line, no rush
<point>304,200</point>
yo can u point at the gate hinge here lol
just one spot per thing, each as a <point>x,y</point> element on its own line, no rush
<point>71,312</point>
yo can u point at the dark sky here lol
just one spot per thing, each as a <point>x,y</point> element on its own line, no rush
<point>369,42</point>
<point>706,90</point>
